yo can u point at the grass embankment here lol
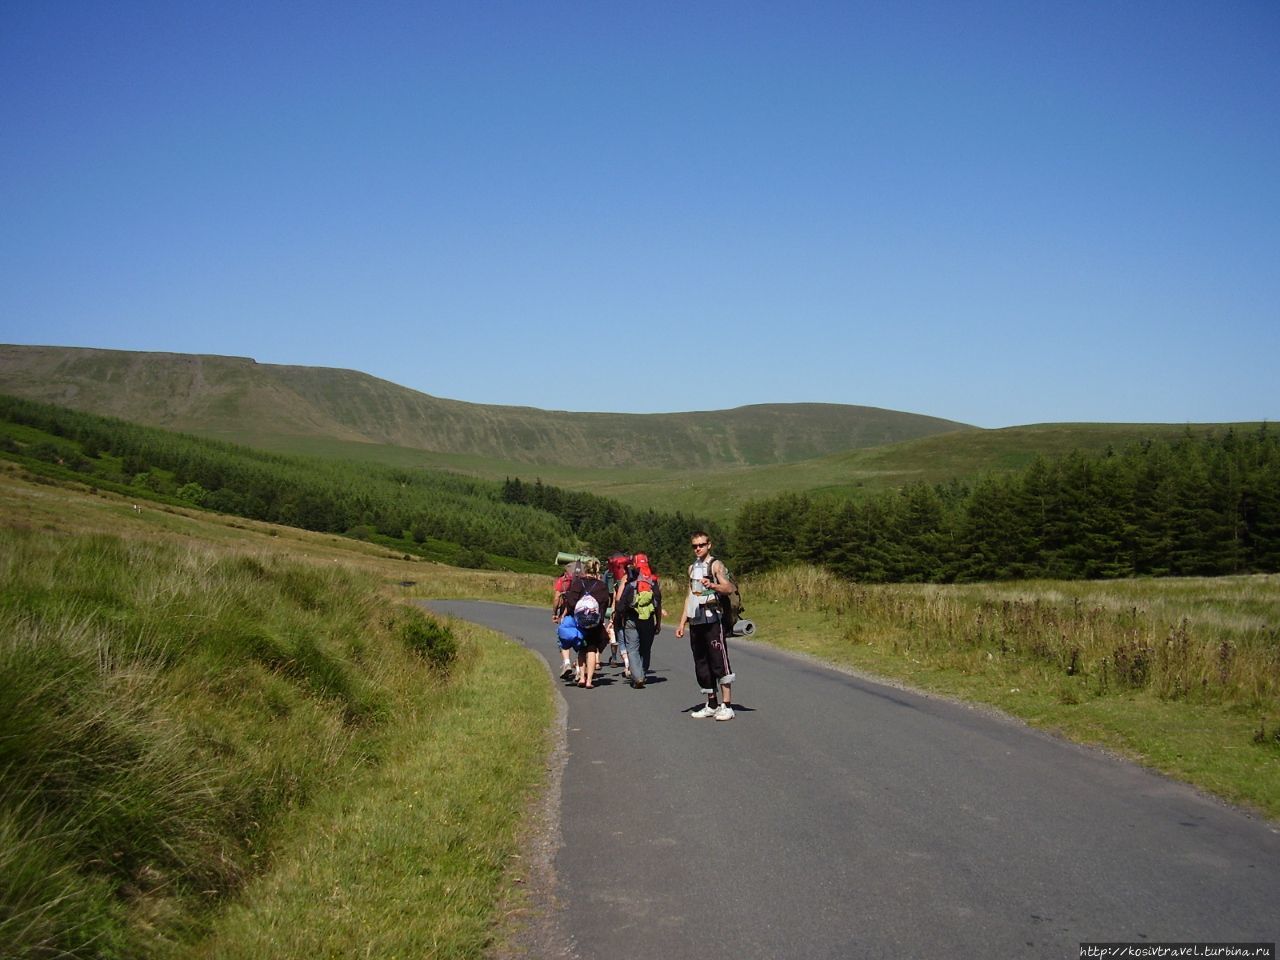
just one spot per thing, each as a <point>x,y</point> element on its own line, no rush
<point>1180,674</point>
<point>220,742</point>
<point>412,859</point>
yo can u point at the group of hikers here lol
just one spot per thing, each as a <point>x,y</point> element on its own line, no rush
<point>619,607</point>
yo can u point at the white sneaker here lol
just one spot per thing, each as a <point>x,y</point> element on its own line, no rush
<point>706,710</point>
<point>724,712</point>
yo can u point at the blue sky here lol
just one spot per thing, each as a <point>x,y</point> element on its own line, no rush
<point>999,213</point>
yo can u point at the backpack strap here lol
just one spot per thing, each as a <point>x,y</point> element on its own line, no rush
<point>711,570</point>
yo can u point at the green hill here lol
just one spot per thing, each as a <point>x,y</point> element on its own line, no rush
<point>287,407</point>
<point>437,515</point>
<point>718,492</point>
<point>707,464</point>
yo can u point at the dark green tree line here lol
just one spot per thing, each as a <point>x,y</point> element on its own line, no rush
<point>1194,507</point>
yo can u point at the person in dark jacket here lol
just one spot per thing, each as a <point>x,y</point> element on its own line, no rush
<point>567,669</point>
<point>637,606</point>
<point>594,637</point>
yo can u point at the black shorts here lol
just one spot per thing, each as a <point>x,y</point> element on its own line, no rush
<point>595,638</point>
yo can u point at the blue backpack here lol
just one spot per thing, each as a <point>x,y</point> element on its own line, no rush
<point>568,630</point>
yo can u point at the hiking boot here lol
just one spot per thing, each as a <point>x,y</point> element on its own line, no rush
<point>724,712</point>
<point>707,710</point>
<point>566,671</point>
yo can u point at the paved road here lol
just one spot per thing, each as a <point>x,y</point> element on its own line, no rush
<point>836,817</point>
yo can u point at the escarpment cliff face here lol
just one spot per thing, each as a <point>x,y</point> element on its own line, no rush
<point>236,398</point>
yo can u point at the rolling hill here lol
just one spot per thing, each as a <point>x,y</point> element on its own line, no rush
<point>275,406</point>
<point>703,463</point>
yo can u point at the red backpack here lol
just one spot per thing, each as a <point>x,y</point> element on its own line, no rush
<point>618,564</point>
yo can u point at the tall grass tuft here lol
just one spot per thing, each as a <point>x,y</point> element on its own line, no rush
<point>163,707</point>
<point>428,638</point>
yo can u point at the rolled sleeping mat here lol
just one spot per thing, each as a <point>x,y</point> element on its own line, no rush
<point>744,628</point>
<point>563,558</point>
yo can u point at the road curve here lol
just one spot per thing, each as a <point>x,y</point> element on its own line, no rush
<point>836,817</point>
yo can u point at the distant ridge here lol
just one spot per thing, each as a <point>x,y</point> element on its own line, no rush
<point>236,398</point>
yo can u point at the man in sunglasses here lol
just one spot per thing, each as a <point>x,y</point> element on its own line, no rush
<point>708,581</point>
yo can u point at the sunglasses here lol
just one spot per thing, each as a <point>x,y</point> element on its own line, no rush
<point>699,546</point>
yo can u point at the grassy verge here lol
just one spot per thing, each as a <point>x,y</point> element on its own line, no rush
<point>198,711</point>
<point>409,861</point>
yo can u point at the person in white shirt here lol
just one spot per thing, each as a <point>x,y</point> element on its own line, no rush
<point>708,581</point>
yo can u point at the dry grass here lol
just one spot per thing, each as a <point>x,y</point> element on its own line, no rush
<point>1210,640</point>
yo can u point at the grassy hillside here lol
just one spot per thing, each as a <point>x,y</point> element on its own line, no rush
<point>263,404</point>
<point>436,515</point>
<point>705,464</point>
<point>432,514</point>
<point>854,473</point>
<point>208,726</point>
<point>717,492</point>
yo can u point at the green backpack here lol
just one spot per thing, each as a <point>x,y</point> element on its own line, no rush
<point>644,599</point>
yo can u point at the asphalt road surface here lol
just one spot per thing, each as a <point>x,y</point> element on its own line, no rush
<point>836,817</point>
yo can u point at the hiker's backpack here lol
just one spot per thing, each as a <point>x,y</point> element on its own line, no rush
<point>563,582</point>
<point>644,596</point>
<point>587,611</point>
<point>568,631</point>
<point>730,603</point>
<point>616,570</point>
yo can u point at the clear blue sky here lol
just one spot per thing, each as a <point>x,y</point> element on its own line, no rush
<point>995,212</point>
